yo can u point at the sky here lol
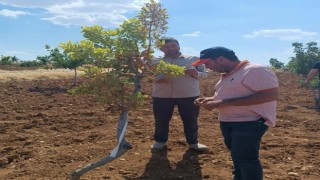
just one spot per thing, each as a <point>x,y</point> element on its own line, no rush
<point>255,30</point>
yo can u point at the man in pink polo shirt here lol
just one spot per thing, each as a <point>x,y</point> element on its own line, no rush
<point>245,97</point>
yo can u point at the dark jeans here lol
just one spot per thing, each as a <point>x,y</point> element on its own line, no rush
<point>243,140</point>
<point>163,109</point>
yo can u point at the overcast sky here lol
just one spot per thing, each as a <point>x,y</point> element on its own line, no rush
<point>255,30</point>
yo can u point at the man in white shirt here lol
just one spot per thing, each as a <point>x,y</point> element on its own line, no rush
<point>178,91</point>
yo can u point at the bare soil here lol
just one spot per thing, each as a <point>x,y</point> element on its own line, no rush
<point>46,133</point>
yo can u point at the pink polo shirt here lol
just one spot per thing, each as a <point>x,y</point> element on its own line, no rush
<point>244,82</point>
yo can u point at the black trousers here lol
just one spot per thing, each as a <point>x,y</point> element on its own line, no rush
<point>163,109</point>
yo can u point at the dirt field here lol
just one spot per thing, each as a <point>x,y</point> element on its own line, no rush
<point>45,133</point>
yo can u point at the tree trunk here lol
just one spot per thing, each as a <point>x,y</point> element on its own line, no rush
<point>75,77</point>
<point>119,150</point>
<point>137,82</point>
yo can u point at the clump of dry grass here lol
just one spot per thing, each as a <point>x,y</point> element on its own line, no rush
<point>37,74</point>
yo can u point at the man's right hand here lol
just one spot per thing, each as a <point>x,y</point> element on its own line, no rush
<point>198,101</point>
<point>201,101</point>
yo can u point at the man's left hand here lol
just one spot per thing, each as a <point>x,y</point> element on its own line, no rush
<point>191,72</point>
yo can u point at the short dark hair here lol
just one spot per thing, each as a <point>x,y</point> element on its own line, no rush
<point>169,39</point>
<point>218,51</point>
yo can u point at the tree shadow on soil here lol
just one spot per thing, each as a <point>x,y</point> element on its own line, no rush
<point>159,167</point>
<point>48,90</point>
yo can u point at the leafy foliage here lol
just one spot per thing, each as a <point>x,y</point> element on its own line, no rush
<point>8,60</point>
<point>169,70</point>
<point>57,59</point>
<point>276,64</point>
<point>41,61</point>
<point>304,58</point>
<point>153,18</point>
<point>34,63</point>
<point>116,58</point>
<point>112,88</point>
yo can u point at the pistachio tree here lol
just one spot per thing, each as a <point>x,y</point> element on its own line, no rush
<point>154,20</point>
<point>58,59</point>
<point>115,62</point>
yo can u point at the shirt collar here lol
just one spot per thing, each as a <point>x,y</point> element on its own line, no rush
<point>180,56</point>
<point>239,66</point>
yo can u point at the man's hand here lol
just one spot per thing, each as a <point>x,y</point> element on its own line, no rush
<point>191,72</point>
<point>209,105</point>
<point>198,101</point>
<point>201,101</point>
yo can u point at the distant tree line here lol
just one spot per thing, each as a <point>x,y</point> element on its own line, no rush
<point>302,62</point>
<point>55,59</point>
